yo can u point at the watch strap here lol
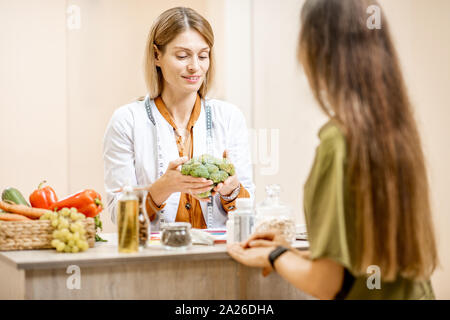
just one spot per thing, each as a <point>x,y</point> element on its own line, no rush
<point>275,254</point>
<point>233,195</point>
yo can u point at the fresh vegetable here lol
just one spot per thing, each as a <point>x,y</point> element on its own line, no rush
<point>87,202</point>
<point>14,195</point>
<point>43,197</point>
<point>208,167</point>
<point>218,176</point>
<point>227,166</point>
<point>33,213</point>
<point>98,225</point>
<point>12,217</point>
<point>70,233</point>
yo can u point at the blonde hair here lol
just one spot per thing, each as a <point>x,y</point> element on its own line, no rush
<point>166,27</point>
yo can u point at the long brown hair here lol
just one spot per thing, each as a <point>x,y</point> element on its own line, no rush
<point>166,27</point>
<point>356,78</point>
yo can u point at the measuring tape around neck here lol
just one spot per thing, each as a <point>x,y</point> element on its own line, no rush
<point>209,148</point>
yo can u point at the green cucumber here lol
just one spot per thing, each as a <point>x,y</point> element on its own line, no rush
<point>14,195</point>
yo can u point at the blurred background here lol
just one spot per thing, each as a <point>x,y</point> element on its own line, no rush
<point>65,66</point>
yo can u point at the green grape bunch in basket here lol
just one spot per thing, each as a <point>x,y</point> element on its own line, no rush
<point>206,166</point>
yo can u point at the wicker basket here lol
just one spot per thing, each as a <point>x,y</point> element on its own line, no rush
<point>35,234</point>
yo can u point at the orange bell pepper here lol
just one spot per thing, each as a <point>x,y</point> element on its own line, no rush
<point>43,197</point>
<point>87,202</point>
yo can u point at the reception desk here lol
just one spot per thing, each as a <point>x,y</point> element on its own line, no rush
<point>200,272</point>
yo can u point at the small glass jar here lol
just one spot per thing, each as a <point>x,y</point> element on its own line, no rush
<point>272,214</point>
<point>176,235</point>
<point>144,221</point>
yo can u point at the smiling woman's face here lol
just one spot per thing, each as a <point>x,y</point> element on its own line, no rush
<point>185,62</point>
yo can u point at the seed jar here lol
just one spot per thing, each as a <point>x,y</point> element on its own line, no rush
<point>176,235</point>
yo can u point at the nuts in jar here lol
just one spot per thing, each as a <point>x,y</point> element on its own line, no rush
<point>273,214</point>
<point>143,230</point>
<point>283,225</point>
<point>144,221</point>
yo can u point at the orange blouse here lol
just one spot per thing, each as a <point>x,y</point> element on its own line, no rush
<point>189,209</point>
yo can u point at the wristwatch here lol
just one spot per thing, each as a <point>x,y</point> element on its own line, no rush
<point>233,195</point>
<point>275,254</point>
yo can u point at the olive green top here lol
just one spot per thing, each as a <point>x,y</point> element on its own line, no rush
<point>330,221</point>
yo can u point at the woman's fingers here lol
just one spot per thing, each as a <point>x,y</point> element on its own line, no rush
<point>231,182</point>
<point>194,180</point>
<point>269,235</point>
<point>191,179</point>
<point>199,190</point>
<point>176,163</point>
<point>260,243</point>
<point>195,191</point>
<point>228,181</point>
<point>254,257</point>
<point>197,185</point>
<point>218,187</point>
<point>236,252</point>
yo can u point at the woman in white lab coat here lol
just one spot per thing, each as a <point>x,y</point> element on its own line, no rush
<point>146,141</point>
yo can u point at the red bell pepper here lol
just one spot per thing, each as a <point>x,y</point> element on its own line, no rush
<point>87,202</point>
<point>43,197</point>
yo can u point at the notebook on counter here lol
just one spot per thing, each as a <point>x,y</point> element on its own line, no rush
<point>220,235</point>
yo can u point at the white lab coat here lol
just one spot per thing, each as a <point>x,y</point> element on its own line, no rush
<point>129,151</point>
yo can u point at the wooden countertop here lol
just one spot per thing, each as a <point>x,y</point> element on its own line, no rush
<point>106,253</point>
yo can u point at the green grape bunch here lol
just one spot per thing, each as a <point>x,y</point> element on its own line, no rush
<point>70,234</point>
<point>206,166</point>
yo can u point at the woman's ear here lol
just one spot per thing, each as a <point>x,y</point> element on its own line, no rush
<point>157,55</point>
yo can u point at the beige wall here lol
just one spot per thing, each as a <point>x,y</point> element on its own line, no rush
<point>59,88</point>
<point>33,110</point>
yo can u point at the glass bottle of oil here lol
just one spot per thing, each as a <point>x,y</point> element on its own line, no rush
<point>128,221</point>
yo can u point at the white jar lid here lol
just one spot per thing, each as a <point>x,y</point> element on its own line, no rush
<point>244,203</point>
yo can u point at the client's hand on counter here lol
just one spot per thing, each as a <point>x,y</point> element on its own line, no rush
<point>252,257</point>
<point>255,251</point>
<point>173,181</point>
<point>265,239</point>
